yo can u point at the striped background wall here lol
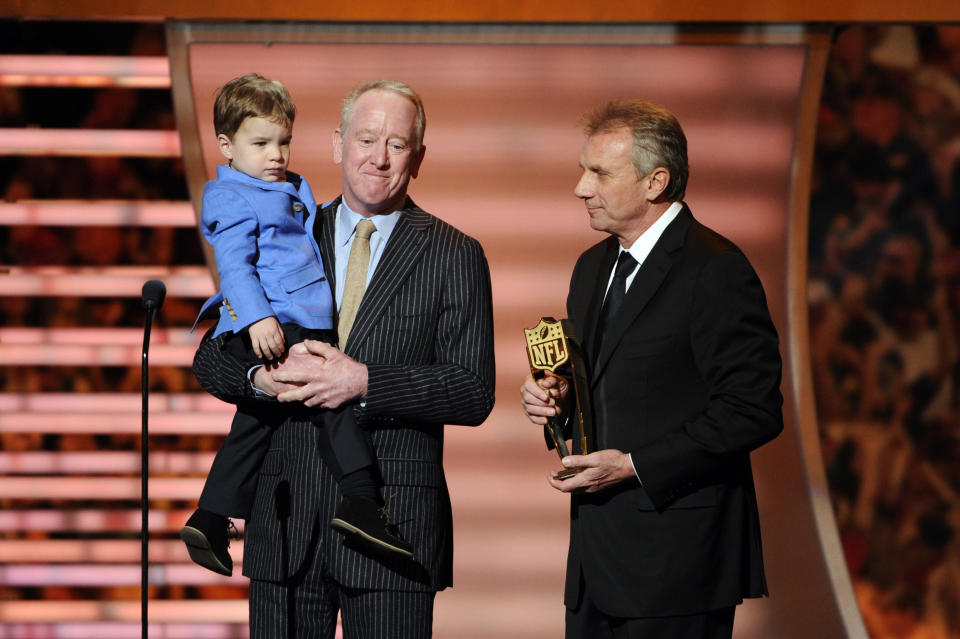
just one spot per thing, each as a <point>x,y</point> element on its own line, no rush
<point>502,146</point>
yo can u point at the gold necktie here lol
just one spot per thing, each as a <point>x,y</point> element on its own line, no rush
<point>355,282</point>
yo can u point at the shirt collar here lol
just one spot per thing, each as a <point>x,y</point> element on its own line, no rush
<point>642,246</point>
<point>225,173</point>
<point>347,220</point>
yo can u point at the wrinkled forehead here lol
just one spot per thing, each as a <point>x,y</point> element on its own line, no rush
<point>380,108</point>
<point>609,147</point>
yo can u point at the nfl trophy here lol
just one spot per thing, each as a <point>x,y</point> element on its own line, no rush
<point>553,350</point>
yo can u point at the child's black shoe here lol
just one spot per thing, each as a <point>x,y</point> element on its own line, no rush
<point>368,525</point>
<point>205,534</point>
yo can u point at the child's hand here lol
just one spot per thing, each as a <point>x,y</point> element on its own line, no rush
<point>266,336</point>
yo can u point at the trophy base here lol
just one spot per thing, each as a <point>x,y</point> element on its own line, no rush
<point>566,473</point>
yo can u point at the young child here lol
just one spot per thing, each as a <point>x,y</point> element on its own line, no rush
<point>274,292</point>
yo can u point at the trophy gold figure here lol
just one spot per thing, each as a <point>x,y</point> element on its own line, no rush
<point>553,349</point>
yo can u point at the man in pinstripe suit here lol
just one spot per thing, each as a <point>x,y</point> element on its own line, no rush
<point>419,355</point>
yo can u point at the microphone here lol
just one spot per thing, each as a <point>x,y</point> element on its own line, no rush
<point>154,292</point>
<point>152,298</point>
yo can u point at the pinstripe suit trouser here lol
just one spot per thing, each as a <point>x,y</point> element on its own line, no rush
<point>307,608</point>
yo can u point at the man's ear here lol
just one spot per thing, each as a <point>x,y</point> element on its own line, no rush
<point>337,147</point>
<point>659,180</point>
<point>225,146</point>
<point>417,160</point>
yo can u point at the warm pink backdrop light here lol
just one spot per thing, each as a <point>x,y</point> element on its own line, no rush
<point>502,151</point>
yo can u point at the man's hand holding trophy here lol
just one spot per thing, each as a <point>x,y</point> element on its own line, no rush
<point>553,350</point>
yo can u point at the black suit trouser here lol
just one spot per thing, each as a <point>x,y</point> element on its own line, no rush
<point>588,621</point>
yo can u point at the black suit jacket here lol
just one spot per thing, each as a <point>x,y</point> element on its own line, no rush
<point>425,331</point>
<point>687,380</point>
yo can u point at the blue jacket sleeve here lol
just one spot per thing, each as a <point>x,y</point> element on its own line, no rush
<point>230,225</point>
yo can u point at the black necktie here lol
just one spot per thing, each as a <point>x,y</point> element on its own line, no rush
<point>615,294</point>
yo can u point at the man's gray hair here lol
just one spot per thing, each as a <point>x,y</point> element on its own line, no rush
<point>394,86</point>
<point>658,139</point>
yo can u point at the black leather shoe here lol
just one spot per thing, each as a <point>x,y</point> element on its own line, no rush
<point>368,525</point>
<point>206,537</point>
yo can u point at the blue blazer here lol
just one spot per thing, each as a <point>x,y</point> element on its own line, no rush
<point>268,264</point>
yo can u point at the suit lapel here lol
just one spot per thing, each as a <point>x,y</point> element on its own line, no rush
<point>406,243</point>
<point>587,314</point>
<point>649,277</point>
<point>323,233</point>
<point>403,250</point>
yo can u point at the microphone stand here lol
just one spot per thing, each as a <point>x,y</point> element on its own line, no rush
<point>153,293</point>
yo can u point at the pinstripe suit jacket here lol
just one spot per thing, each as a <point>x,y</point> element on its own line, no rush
<point>425,332</point>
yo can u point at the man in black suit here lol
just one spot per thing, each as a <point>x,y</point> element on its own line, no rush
<point>685,377</point>
<point>419,355</point>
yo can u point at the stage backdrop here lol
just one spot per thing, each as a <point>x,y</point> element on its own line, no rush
<point>502,144</point>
